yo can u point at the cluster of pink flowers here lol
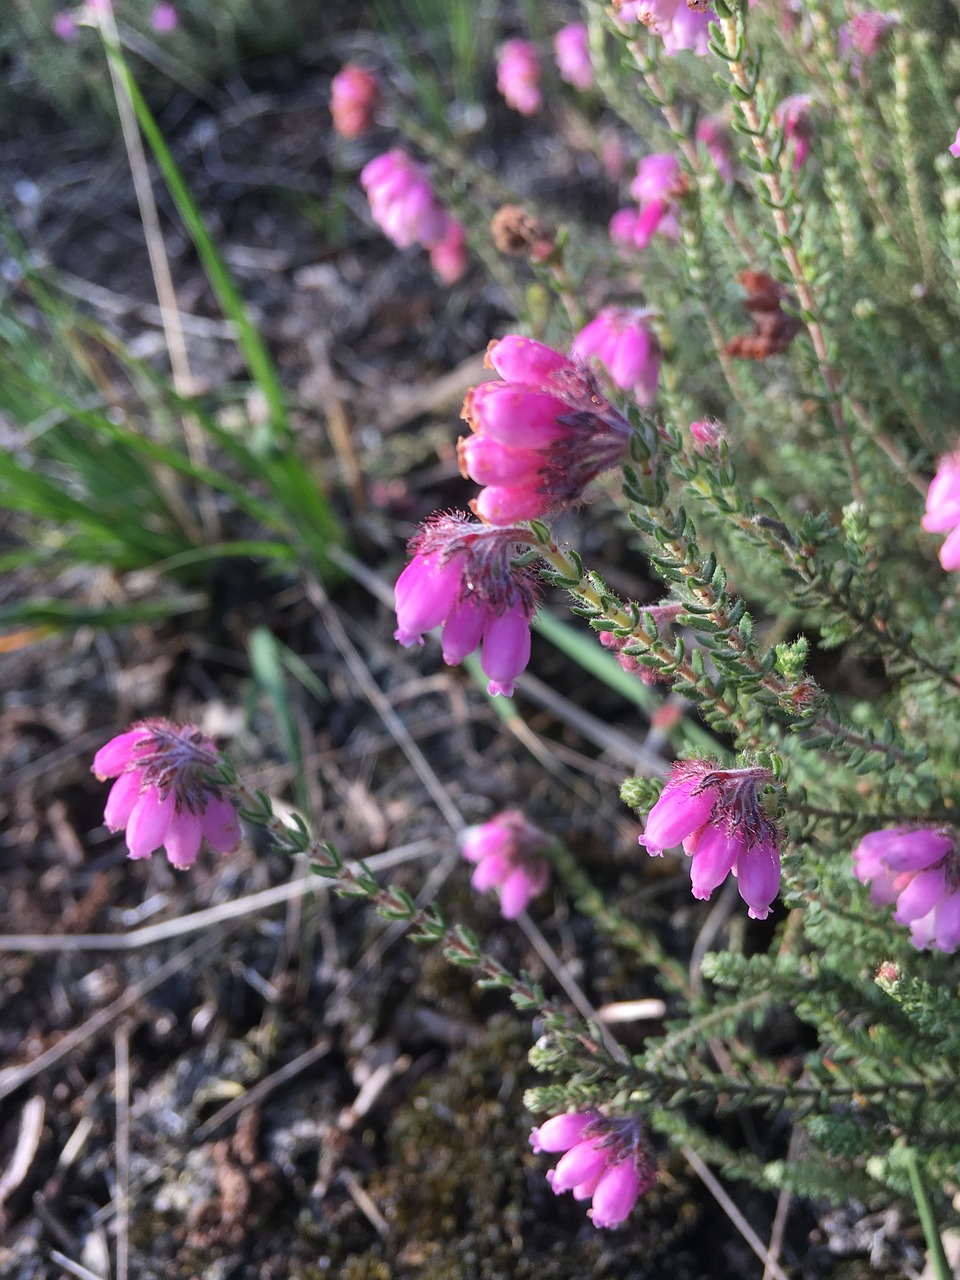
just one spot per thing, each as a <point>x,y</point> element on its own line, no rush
<point>794,117</point>
<point>464,577</point>
<point>943,502</point>
<point>607,1161</point>
<point>918,868</point>
<point>507,852</point>
<point>622,340</point>
<point>658,185</point>
<point>163,794</point>
<point>571,47</point>
<point>354,95</point>
<point>404,206</point>
<point>518,77</point>
<point>681,24</point>
<point>719,817</point>
<point>540,436</point>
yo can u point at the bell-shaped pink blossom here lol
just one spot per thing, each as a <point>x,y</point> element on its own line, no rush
<point>681,24</point>
<point>943,508</point>
<point>448,256</point>
<point>402,202</point>
<point>658,185</point>
<point>464,577</point>
<point>622,340</point>
<point>608,1161</point>
<point>712,133</point>
<point>918,868</point>
<point>507,855</point>
<point>541,436</point>
<point>863,35</point>
<point>954,147</point>
<point>64,25</point>
<point>164,18</point>
<point>720,818</point>
<point>354,96</point>
<point>794,115</point>
<point>164,794</point>
<point>518,77</point>
<point>571,47</point>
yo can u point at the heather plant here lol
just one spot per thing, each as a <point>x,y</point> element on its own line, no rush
<point>752,370</point>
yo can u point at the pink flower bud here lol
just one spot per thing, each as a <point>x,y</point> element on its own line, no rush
<point>354,96</point>
<point>64,25</point>
<point>448,256</point>
<point>164,18</point>
<point>571,46</point>
<point>518,77</point>
<point>402,202</point>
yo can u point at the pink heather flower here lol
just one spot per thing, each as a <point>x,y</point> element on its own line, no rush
<point>681,24</point>
<point>540,436</point>
<point>505,851</point>
<point>354,95</point>
<point>448,256</point>
<point>919,869</point>
<point>164,18</point>
<point>623,227</point>
<point>608,1161</point>
<point>621,339</point>
<point>402,202</point>
<point>463,577</point>
<point>660,614</point>
<point>954,147</point>
<point>719,817</point>
<point>64,25</point>
<point>712,133</point>
<point>707,434</point>
<point>518,77</point>
<point>163,795</point>
<point>794,116</point>
<point>864,33</point>
<point>943,508</point>
<point>658,185</point>
<point>571,47</point>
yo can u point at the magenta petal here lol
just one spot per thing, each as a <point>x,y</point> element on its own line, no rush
<point>950,551</point>
<point>506,650</point>
<point>921,895</point>
<point>503,504</point>
<point>947,921</point>
<point>581,1163</point>
<point>677,814</point>
<point>220,825</point>
<point>182,841</point>
<point>490,872</point>
<point>713,860</point>
<point>486,839</point>
<point>758,878</point>
<point>615,1194</point>
<point>114,756</point>
<point>124,794</point>
<point>463,630</point>
<point>560,1133</point>
<point>515,893</point>
<point>519,359</point>
<point>149,822</point>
